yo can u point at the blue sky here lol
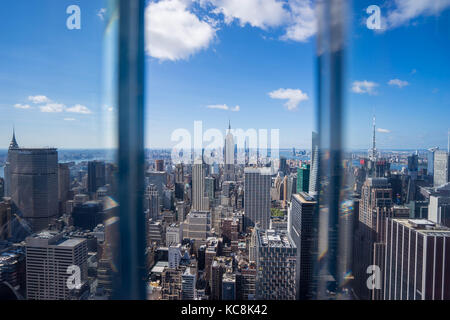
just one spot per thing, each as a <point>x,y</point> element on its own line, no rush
<point>220,60</point>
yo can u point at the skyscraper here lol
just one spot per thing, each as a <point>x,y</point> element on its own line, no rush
<point>33,177</point>
<point>430,158</point>
<point>441,168</point>
<point>219,267</point>
<point>417,260</point>
<point>257,197</point>
<point>375,206</point>
<point>63,186</point>
<point>283,166</point>
<point>229,156</point>
<point>96,176</point>
<point>300,228</point>
<point>188,280</point>
<point>303,174</point>
<point>314,172</point>
<point>159,179</point>
<point>199,201</point>
<point>276,266</point>
<point>152,202</point>
<point>159,165</point>
<point>229,286</point>
<point>48,257</point>
<point>209,187</point>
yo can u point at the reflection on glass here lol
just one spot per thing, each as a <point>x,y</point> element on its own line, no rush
<point>289,150</point>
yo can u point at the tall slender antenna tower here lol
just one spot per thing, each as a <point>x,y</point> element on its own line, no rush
<point>448,141</point>
<point>373,150</point>
<point>374,142</point>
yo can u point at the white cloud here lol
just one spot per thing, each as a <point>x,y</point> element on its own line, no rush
<point>224,107</point>
<point>38,99</point>
<point>69,119</point>
<point>383,130</point>
<point>79,109</point>
<point>406,10</point>
<point>397,82</point>
<point>303,21</point>
<point>101,13</point>
<point>52,108</point>
<point>173,32</point>
<point>257,13</point>
<point>294,97</point>
<point>22,106</point>
<point>364,87</point>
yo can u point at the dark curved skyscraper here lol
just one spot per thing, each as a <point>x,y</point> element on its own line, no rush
<point>33,183</point>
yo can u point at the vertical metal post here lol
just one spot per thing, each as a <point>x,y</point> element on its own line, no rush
<point>131,151</point>
<point>331,245</point>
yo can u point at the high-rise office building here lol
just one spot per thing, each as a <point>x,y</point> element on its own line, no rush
<point>63,186</point>
<point>417,260</point>
<point>199,201</point>
<point>152,202</point>
<point>439,209</point>
<point>303,180</point>
<point>374,208</point>
<point>229,169</point>
<point>441,168</point>
<point>33,177</point>
<point>219,266</point>
<point>257,197</point>
<point>430,160</point>
<point>283,166</point>
<point>179,173</point>
<point>413,166</point>
<point>12,269</point>
<point>314,171</point>
<point>159,165</point>
<point>174,253</point>
<point>48,257</point>
<point>159,179</point>
<point>198,225</point>
<point>155,232</point>
<point>171,284</point>
<point>229,286</point>
<point>276,266</point>
<point>302,233</point>
<point>7,171</point>
<point>209,188</point>
<point>88,215</point>
<point>188,279</point>
<point>246,281</point>
<point>174,234</point>
<point>96,176</point>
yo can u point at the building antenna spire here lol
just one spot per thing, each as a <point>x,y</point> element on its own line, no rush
<point>374,134</point>
<point>448,141</point>
<point>373,149</point>
<point>13,144</point>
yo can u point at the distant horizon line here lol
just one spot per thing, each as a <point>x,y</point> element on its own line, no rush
<point>170,148</point>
